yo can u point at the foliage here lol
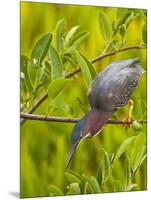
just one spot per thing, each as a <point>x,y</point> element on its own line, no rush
<point>82,184</point>
<point>116,160</point>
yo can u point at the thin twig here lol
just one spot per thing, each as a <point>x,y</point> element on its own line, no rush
<point>106,55</point>
<point>67,120</point>
<point>117,51</point>
<point>34,107</point>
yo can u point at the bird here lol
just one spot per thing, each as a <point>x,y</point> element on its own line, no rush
<point>110,90</point>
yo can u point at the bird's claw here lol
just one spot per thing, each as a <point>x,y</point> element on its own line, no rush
<point>127,122</point>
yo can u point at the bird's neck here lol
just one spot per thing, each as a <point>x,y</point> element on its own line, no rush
<point>95,121</point>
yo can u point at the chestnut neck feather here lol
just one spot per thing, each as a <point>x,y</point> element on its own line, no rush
<point>95,121</point>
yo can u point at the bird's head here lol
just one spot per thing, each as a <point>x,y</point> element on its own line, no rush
<point>88,126</point>
<point>77,136</point>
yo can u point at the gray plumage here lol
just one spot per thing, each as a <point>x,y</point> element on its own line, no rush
<point>110,91</point>
<point>113,87</point>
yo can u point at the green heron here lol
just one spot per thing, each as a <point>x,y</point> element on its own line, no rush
<point>111,90</point>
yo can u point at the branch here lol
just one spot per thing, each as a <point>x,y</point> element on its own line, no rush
<point>67,120</point>
<point>106,55</point>
<point>36,105</point>
<point>118,51</point>
<point>33,108</point>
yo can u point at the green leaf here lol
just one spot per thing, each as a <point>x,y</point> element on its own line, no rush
<point>143,158</point>
<point>40,50</point>
<point>70,35</point>
<point>83,187</point>
<point>82,63</point>
<point>130,187</point>
<point>68,58</point>
<point>46,79</point>
<point>38,77</point>
<point>72,177</point>
<point>81,37</point>
<point>78,38</point>
<point>143,13</point>
<point>90,66</point>
<point>38,90</point>
<point>126,17</point>
<point>123,147</point>
<point>74,173</point>
<point>104,168</point>
<point>144,34</point>
<point>118,187</point>
<point>138,151</point>
<point>23,88</point>
<point>82,105</point>
<point>54,191</point>
<point>56,63</point>
<point>142,109</point>
<point>123,30</point>
<point>60,29</point>
<point>32,73</point>
<point>127,171</point>
<point>24,69</point>
<point>74,188</point>
<point>105,26</point>
<point>56,87</point>
<point>142,106</point>
<point>70,110</point>
<point>93,183</point>
<point>129,19</point>
<point>114,45</point>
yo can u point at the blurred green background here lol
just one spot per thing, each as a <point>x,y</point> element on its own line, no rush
<point>45,145</point>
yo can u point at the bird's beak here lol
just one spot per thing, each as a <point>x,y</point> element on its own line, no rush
<point>72,150</point>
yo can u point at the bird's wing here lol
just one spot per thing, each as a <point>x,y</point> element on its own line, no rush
<point>113,88</point>
<point>122,90</point>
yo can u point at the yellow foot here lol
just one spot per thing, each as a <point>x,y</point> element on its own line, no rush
<point>128,122</point>
<point>130,119</point>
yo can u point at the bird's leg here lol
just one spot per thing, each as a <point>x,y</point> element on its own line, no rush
<point>131,106</point>
<point>130,118</point>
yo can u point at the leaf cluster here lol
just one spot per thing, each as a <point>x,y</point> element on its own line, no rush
<point>46,68</point>
<point>132,151</point>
